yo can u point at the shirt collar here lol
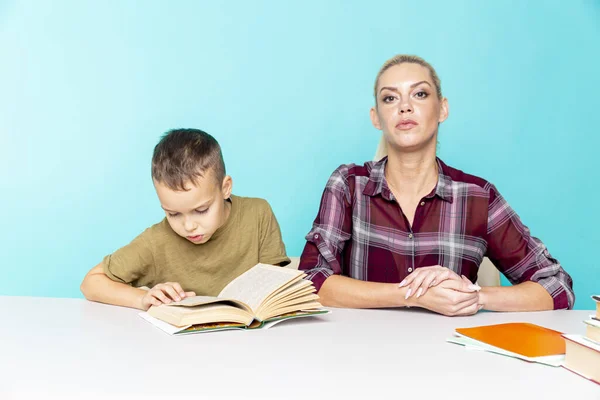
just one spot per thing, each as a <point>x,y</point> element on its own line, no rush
<point>377,184</point>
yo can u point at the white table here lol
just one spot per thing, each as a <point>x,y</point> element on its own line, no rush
<point>71,348</point>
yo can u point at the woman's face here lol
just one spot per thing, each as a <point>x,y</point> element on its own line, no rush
<point>408,110</point>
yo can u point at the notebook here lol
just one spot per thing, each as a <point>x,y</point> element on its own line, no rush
<point>521,340</point>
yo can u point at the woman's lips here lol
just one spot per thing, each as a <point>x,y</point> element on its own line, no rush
<point>406,124</point>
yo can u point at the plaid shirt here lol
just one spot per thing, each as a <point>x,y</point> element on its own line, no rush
<point>361,232</point>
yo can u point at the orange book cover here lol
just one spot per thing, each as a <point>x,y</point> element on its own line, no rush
<point>526,339</point>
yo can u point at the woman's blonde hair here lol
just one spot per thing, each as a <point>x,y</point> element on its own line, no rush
<point>405,58</point>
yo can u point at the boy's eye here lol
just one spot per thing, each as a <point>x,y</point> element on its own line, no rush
<point>202,211</point>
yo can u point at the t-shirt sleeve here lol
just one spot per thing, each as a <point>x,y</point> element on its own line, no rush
<point>272,248</point>
<point>131,263</point>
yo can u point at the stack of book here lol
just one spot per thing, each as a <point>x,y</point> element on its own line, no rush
<point>577,353</point>
<point>583,351</point>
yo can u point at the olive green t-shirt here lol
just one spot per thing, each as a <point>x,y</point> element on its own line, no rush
<point>250,236</point>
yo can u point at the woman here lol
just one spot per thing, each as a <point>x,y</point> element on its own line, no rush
<point>409,230</point>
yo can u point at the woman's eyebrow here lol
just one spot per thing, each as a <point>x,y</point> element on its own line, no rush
<point>395,89</point>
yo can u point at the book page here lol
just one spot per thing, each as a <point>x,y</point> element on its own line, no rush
<point>196,301</point>
<point>292,292</point>
<point>292,289</point>
<point>256,284</point>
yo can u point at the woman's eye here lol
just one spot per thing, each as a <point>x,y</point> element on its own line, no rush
<point>202,211</point>
<point>388,99</point>
<point>421,95</point>
<point>173,214</point>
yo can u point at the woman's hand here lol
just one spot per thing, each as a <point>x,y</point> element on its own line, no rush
<point>451,298</point>
<point>423,278</point>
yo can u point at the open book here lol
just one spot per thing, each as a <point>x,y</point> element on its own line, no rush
<point>261,296</point>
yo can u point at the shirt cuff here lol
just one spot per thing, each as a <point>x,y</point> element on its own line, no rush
<point>318,276</point>
<point>561,301</point>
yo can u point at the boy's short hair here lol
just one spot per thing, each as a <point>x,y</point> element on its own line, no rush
<point>184,155</point>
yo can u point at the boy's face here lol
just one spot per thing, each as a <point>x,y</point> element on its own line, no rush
<point>195,214</point>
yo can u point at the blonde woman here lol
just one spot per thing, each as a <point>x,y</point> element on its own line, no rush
<point>409,230</point>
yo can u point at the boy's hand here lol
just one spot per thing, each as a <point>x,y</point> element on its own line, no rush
<point>164,293</point>
<point>423,278</point>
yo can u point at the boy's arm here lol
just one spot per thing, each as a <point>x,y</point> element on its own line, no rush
<point>110,281</point>
<point>96,286</point>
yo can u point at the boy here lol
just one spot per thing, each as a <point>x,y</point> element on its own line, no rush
<point>208,237</point>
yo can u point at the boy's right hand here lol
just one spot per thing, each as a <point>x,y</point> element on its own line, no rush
<point>164,293</point>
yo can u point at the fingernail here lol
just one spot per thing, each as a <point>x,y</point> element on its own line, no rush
<point>182,294</point>
<point>177,298</point>
<point>402,283</point>
<point>407,294</point>
<point>475,287</point>
<point>419,292</point>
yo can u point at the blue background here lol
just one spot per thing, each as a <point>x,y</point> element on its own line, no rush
<point>87,88</point>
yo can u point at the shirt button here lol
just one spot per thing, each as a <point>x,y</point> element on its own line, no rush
<point>422,203</point>
<point>410,270</point>
<point>410,235</point>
